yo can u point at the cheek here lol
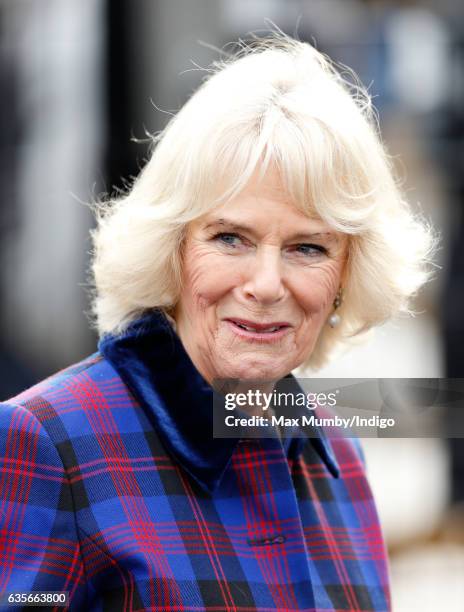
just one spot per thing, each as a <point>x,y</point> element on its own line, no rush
<point>206,277</point>
<point>315,289</point>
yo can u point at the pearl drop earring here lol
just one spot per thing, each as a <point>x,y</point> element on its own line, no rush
<point>335,318</point>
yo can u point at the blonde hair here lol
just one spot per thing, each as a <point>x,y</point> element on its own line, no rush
<point>276,101</point>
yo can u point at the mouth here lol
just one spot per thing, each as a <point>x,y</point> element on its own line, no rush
<point>266,332</point>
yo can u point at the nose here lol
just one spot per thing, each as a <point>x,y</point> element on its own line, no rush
<point>264,281</point>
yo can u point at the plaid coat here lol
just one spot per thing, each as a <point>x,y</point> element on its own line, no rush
<point>112,488</point>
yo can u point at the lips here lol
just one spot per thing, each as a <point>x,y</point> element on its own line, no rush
<point>271,327</point>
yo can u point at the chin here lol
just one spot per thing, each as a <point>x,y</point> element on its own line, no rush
<point>257,370</point>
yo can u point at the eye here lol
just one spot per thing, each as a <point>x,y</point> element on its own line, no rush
<point>228,238</point>
<point>310,250</point>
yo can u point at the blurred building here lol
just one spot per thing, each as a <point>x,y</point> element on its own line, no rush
<point>52,66</point>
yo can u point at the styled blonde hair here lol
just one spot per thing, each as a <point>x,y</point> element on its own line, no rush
<point>276,101</point>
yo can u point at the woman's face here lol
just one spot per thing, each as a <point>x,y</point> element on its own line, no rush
<point>260,279</point>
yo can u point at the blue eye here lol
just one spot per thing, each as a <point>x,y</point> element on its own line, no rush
<point>310,249</point>
<point>227,238</point>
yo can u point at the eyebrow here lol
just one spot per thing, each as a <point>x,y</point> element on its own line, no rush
<point>238,227</point>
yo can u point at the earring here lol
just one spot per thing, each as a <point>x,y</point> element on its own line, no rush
<point>335,318</point>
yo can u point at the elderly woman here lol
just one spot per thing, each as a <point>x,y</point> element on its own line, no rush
<point>265,231</point>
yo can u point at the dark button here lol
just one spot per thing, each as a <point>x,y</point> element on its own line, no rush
<point>279,539</point>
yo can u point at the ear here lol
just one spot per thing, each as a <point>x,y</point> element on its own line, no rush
<point>346,269</point>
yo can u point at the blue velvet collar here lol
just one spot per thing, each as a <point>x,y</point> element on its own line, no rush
<point>152,362</point>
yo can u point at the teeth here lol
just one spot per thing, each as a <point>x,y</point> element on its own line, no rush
<point>268,330</point>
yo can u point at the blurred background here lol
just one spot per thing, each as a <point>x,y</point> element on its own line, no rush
<point>83,83</point>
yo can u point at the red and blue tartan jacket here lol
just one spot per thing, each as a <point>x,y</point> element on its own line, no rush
<point>113,489</point>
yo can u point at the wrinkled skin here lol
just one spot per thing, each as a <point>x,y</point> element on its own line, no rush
<point>278,266</point>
